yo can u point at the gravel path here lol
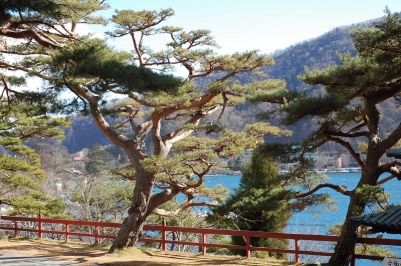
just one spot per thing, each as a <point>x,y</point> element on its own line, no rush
<point>21,260</point>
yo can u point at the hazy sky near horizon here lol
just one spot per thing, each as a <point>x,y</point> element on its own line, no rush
<point>266,25</point>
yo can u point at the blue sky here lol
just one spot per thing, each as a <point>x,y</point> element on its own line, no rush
<point>266,25</point>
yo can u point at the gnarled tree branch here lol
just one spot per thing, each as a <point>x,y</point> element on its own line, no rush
<point>349,148</point>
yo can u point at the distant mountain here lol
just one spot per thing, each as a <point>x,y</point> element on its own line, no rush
<point>314,53</point>
<point>83,133</point>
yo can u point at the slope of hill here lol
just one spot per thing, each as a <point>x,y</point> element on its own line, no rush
<point>83,133</point>
<point>290,63</point>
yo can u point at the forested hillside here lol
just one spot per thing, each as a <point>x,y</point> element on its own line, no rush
<point>314,54</point>
<point>290,62</point>
<point>83,133</point>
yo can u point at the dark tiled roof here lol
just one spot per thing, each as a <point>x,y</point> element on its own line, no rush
<point>388,221</point>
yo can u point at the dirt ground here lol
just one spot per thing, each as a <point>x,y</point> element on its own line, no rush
<point>96,254</point>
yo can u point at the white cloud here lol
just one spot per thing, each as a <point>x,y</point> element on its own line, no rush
<point>83,29</point>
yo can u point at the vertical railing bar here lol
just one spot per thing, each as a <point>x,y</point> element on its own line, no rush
<point>40,225</point>
<point>15,228</point>
<point>248,245</point>
<point>296,249</point>
<point>164,235</point>
<point>96,234</point>
<point>67,230</point>
<point>204,243</point>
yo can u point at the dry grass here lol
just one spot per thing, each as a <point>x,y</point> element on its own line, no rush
<point>97,254</point>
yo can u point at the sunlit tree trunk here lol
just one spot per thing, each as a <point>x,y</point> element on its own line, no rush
<point>346,243</point>
<point>132,226</point>
<point>347,240</point>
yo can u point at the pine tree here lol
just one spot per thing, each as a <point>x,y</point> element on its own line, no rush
<point>263,201</point>
<point>259,204</point>
<point>349,112</point>
<point>164,108</point>
<point>22,119</point>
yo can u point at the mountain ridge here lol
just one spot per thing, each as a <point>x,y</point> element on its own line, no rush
<point>315,53</point>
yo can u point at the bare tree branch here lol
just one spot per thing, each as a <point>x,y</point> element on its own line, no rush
<point>7,26</point>
<point>349,148</point>
<point>384,180</point>
<point>181,208</point>
<point>337,188</point>
<point>347,135</point>
<point>391,168</point>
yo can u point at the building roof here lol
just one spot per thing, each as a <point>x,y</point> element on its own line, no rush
<point>386,222</point>
<point>80,158</point>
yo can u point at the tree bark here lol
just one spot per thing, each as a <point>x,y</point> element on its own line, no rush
<point>132,226</point>
<point>370,174</point>
<point>347,240</point>
<point>346,243</point>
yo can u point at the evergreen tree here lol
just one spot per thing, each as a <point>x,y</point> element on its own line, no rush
<point>92,70</point>
<point>350,110</point>
<point>22,119</point>
<point>262,202</point>
<point>99,160</point>
<point>259,204</point>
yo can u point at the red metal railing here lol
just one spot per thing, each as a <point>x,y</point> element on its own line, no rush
<point>163,228</point>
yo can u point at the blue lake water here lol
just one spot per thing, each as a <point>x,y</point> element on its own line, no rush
<point>307,221</point>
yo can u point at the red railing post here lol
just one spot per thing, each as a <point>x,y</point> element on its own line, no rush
<point>15,228</point>
<point>248,246</point>
<point>296,250</point>
<point>40,225</point>
<point>96,234</point>
<point>204,243</point>
<point>67,230</point>
<point>164,234</point>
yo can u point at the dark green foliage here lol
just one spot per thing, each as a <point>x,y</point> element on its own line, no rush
<point>21,175</point>
<point>94,59</point>
<point>50,11</point>
<point>37,20</point>
<point>98,160</point>
<point>303,106</point>
<point>259,204</point>
<point>118,153</point>
<point>9,7</point>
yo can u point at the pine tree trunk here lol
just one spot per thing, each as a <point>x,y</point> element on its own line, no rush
<point>142,205</point>
<point>133,223</point>
<point>132,226</point>
<point>346,243</point>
